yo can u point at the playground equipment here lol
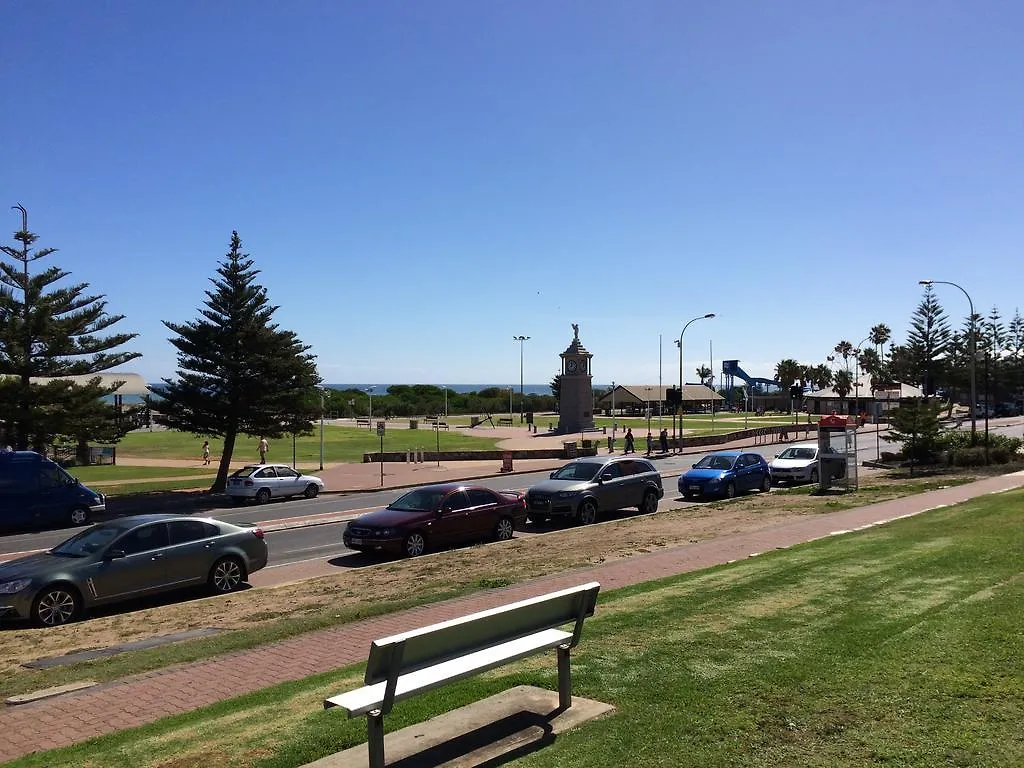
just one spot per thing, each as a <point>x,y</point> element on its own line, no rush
<point>754,384</point>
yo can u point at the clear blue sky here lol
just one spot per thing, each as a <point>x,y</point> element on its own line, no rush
<point>419,182</point>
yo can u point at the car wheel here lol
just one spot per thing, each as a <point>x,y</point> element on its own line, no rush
<point>227,575</point>
<point>730,491</point>
<point>650,503</point>
<point>311,491</point>
<point>415,544</point>
<point>814,476</point>
<point>262,495</point>
<point>504,529</point>
<point>766,484</point>
<point>79,516</point>
<point>587,513</point>
<point>55,605</point>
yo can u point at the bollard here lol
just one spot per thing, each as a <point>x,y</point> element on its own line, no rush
<point>408,456</point>
<point>420,459</point>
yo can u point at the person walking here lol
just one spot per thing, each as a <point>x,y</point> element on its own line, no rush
<point>264,447</point>
<point>206,451</point>
<point>663,438</point>
<point>650,444</point>
<point>629,441</point>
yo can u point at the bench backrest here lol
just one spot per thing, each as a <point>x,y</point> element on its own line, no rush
<point>451,639</point>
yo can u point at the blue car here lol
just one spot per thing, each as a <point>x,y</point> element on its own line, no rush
<point>726,473</point>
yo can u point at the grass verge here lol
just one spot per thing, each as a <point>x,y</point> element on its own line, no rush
<point>898,645</point>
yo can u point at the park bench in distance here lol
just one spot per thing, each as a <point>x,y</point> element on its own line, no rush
<point>411,663</point>
<point>362,421</point>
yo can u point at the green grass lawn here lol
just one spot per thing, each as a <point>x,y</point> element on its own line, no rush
<point>341,444</point>
<point>899,645</point>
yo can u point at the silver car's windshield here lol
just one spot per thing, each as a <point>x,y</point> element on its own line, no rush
<point>797,453</point>
<point>579,470</point>
<point>715,462</point>
<point>87,542</point>
<point>420,500</point>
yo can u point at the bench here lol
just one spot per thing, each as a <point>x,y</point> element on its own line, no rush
<point>430,419</point>
<point>504,421</point>
<point>411,663</point>
<point>440,425</point>
<point>362,421</point>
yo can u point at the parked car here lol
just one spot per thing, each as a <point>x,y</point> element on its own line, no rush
<point>127,558</point>
<point>586,487</point>
<point>436,516</point>
<point>263,482</point>
<point>36,492</point>
<point>726,473</point>
<point>798,463</point>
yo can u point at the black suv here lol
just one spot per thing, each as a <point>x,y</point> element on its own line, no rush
<point>583,488</point>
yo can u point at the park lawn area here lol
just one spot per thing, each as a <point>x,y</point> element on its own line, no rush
<point>342,444</point>
<point>100,473</point>
<point>896,645</point>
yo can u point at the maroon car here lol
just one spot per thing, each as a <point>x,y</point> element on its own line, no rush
<point>437,516</point>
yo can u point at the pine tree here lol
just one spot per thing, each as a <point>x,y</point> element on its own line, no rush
<point>53,332</point>
<point>239,373</point>
<point>928,341</point>
<point>916,425</point>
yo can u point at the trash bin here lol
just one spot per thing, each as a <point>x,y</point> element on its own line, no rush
<point>414,423</point>
<point>529,417</point>
<point>474,421</point>
<point>570,449</point>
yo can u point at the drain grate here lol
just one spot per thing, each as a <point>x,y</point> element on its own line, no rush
<point>138,645</point>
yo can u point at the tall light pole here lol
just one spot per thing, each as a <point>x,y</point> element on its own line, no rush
<point>369,392</point>
<point>521,339</point>
<point>322,393</point>
<point>971,343</point>
<point>708,316</point>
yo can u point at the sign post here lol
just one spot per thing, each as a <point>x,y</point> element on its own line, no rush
<point>380,434</point>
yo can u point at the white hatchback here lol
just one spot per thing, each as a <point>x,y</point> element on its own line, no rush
<point>798,463</point>
<point>264,482</point>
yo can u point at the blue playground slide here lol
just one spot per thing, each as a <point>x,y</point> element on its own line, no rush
<point>732,368</point>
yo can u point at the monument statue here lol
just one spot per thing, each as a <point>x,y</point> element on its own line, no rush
<point>575,332</point>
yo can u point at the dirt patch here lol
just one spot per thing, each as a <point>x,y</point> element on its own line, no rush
<point>473,567</point>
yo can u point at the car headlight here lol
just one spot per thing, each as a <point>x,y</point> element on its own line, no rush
<point>12,587</point>
<point>566,494</point>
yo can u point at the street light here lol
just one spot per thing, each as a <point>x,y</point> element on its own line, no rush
<point>971,353</point>
<point>521,339</point>
<point>369,392</point>
<point>322,393</point>
<point>679,342</point>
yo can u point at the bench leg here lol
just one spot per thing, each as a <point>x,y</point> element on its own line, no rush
<point>375,738</point>
<point>564,679</point>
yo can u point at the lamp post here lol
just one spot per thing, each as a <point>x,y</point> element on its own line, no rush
<point>445,403</point>
<point>679,342</point>
<point>369,392</point>
<point>521,339</point>
<point>970,351</point>
<point>322,393</point>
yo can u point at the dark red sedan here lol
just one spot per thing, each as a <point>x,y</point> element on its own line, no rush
<point>435,517</point>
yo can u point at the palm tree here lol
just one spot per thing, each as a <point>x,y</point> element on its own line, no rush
<point>880,334</point>
<point>821,376</point>
<point>844,349</point>
<point>705,376</point>
<point>843,384</point>
<point>787,372</point>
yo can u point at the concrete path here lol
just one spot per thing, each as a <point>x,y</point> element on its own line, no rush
<point>147,697</point>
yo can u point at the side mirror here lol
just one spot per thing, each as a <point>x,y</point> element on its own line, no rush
<point>114,554</point>
<point>605,476</point>
<point>694,466</point>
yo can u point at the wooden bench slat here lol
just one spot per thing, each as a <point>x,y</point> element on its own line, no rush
<point>370,697</point>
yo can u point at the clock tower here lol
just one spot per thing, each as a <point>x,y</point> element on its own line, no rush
<point>576,397</point>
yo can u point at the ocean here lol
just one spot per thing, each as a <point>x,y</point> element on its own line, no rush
<point>528,389</point>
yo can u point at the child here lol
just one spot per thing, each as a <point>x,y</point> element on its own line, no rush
<point>206,451</point>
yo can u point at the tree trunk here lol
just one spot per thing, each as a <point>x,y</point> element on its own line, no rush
<point>221,481</point>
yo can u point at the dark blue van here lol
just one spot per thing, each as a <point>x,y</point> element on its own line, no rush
<point>36,493</point>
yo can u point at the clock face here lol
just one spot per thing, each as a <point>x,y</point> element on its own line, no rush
<point>583,366</point>
<point>570,366</point>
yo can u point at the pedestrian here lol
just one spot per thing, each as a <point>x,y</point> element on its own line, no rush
<point>663,437</point>
<point>264,447</point>
<point>629,441</point>
<point>206,451</point>
<point>650,444</point>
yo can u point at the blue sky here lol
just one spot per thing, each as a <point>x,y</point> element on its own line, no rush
<point>420,182</point>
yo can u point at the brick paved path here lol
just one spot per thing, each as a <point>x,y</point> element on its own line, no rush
<point>51,723</point>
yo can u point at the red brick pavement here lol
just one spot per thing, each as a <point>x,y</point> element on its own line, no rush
<point>141,699</point>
